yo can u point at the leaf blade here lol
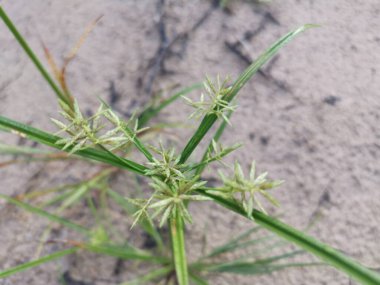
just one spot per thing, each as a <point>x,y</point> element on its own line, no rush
<point>37,262</point>
<point>210,119</point>
<point>51,140</point>
<point>45,214</point>
<point>12,28</point>
<point>323,251</point>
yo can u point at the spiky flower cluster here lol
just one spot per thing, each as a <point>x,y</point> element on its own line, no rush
<point>167,167</point>
<point>217,151</point>
<point>169,199</point>
<point>87,132</point>
<point>172,188</point>
<point>216,103</point>
<point>249,188</point>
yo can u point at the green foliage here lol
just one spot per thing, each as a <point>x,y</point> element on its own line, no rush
<point>37,262</point>
<point>174,181</point>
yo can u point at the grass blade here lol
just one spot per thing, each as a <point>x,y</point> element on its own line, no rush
<point>152,275</point>
<point>197,280</point>
<point>152,111</point>
<point>252,268</point>
<point>20,150</point>
<point>326,253</point>
<point>237,245</point>
<point>45,214</point>
<point>210,119</point>
<point>319,249</point>
<point>62,96</point>
<point>37,262</point>
<point>123,252</point>
<point>178,248</point>
<point>90,153</point>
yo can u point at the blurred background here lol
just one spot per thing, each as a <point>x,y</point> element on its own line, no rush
<point>309,117</point>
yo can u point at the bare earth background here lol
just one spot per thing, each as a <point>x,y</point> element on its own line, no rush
<point>310,118</point>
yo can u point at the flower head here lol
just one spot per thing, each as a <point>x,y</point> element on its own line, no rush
<point>169,199</point>
<point>216,103</point>
<point>90,131</point>
<point>249,188</point>
<point>168,167</point>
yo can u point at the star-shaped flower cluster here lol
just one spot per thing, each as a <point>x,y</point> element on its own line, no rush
<point>90,131</point>
<point>169,199</point>
<point>249,188</point>
<point>215,103</point>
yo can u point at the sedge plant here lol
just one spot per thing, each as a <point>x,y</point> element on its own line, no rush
<point>175,181</point>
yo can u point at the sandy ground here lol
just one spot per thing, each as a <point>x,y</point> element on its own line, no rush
<point>311,118</point>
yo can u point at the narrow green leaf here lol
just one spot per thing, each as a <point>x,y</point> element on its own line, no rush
<point>178,248</point>
<point>236,245</point>
<point>152,275</point>
<point>197,280</point>
<point>152,111</point>
<point>326,253</point>
<point>62,96</point>
<point>45,214</point>
<point>75,197</point>
<point>90,153</point>
<point>124,252</point>
<point>58,198</point>
<point>20,150</point>
<point>210,119</point>
<point>252,268</point>
<point>37,262</point>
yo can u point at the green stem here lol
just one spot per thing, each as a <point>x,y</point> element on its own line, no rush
<point>178,248</point>
<point>151,111</point>
<point>62,96</point>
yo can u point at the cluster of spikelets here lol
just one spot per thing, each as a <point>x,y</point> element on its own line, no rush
<point>215,103</point>
<point>88,132</point>
<point>174,184</point>
<point>245,190</point>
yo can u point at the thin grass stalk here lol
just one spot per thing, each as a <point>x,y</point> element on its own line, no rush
<point>152,111</point>
<point>61,95</point>
<point>176,225</point>
<point>37,262</point>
